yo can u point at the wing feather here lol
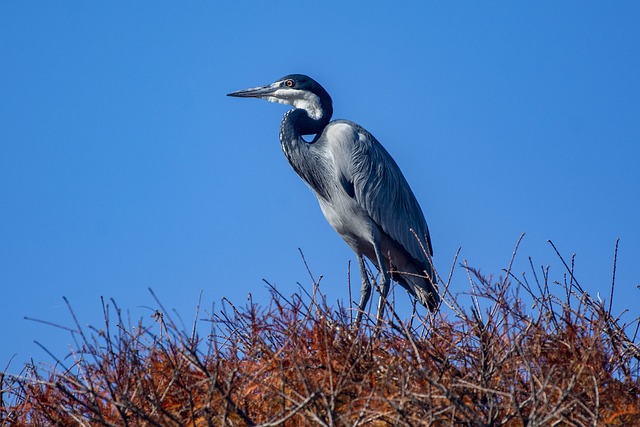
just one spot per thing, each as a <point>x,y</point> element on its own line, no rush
<point>383,192</point>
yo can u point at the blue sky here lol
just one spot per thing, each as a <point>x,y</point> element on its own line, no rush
<point>123,166</point>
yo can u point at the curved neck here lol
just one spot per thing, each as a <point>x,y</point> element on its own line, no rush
<point>302,122</point>
<point>298,122</point>
<point>299,153</point>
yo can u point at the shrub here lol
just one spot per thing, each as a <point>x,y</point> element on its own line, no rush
<point>298,361</point>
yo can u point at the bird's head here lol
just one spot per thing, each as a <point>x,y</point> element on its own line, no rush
<point>298,90</point>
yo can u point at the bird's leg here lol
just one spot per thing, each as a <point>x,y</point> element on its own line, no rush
<point>384,282</point>
<point>365,291</point>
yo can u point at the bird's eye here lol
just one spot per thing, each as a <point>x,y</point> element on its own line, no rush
<point>289,83</point>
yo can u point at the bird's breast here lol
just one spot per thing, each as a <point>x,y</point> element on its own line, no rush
<point>350,221</point>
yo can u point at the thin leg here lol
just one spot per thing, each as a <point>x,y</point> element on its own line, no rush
<point>365,291</point>
<point>384,283</point>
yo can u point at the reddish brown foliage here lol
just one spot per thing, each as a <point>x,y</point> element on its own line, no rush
<point>298,362</point>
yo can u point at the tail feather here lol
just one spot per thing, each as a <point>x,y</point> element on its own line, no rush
<point>425,291</point>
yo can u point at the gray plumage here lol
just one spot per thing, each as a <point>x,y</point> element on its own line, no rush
<point>360,188</point>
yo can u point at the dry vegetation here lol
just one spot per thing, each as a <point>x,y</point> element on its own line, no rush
<point>556,360</point>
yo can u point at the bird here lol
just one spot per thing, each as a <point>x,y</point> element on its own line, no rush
<point>361,191</point>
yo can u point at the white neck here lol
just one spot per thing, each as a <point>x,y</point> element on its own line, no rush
<point>299,99</point>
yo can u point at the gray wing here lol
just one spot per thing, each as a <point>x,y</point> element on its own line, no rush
<point>381,189</point>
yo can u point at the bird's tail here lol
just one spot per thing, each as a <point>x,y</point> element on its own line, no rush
<point>424,288</point>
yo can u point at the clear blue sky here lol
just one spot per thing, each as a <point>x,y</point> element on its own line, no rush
<point>123,166</point>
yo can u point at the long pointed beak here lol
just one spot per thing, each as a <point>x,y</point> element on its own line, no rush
<point>254,92</point>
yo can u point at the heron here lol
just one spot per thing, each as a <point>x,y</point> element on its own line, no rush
<point>362,192</point>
